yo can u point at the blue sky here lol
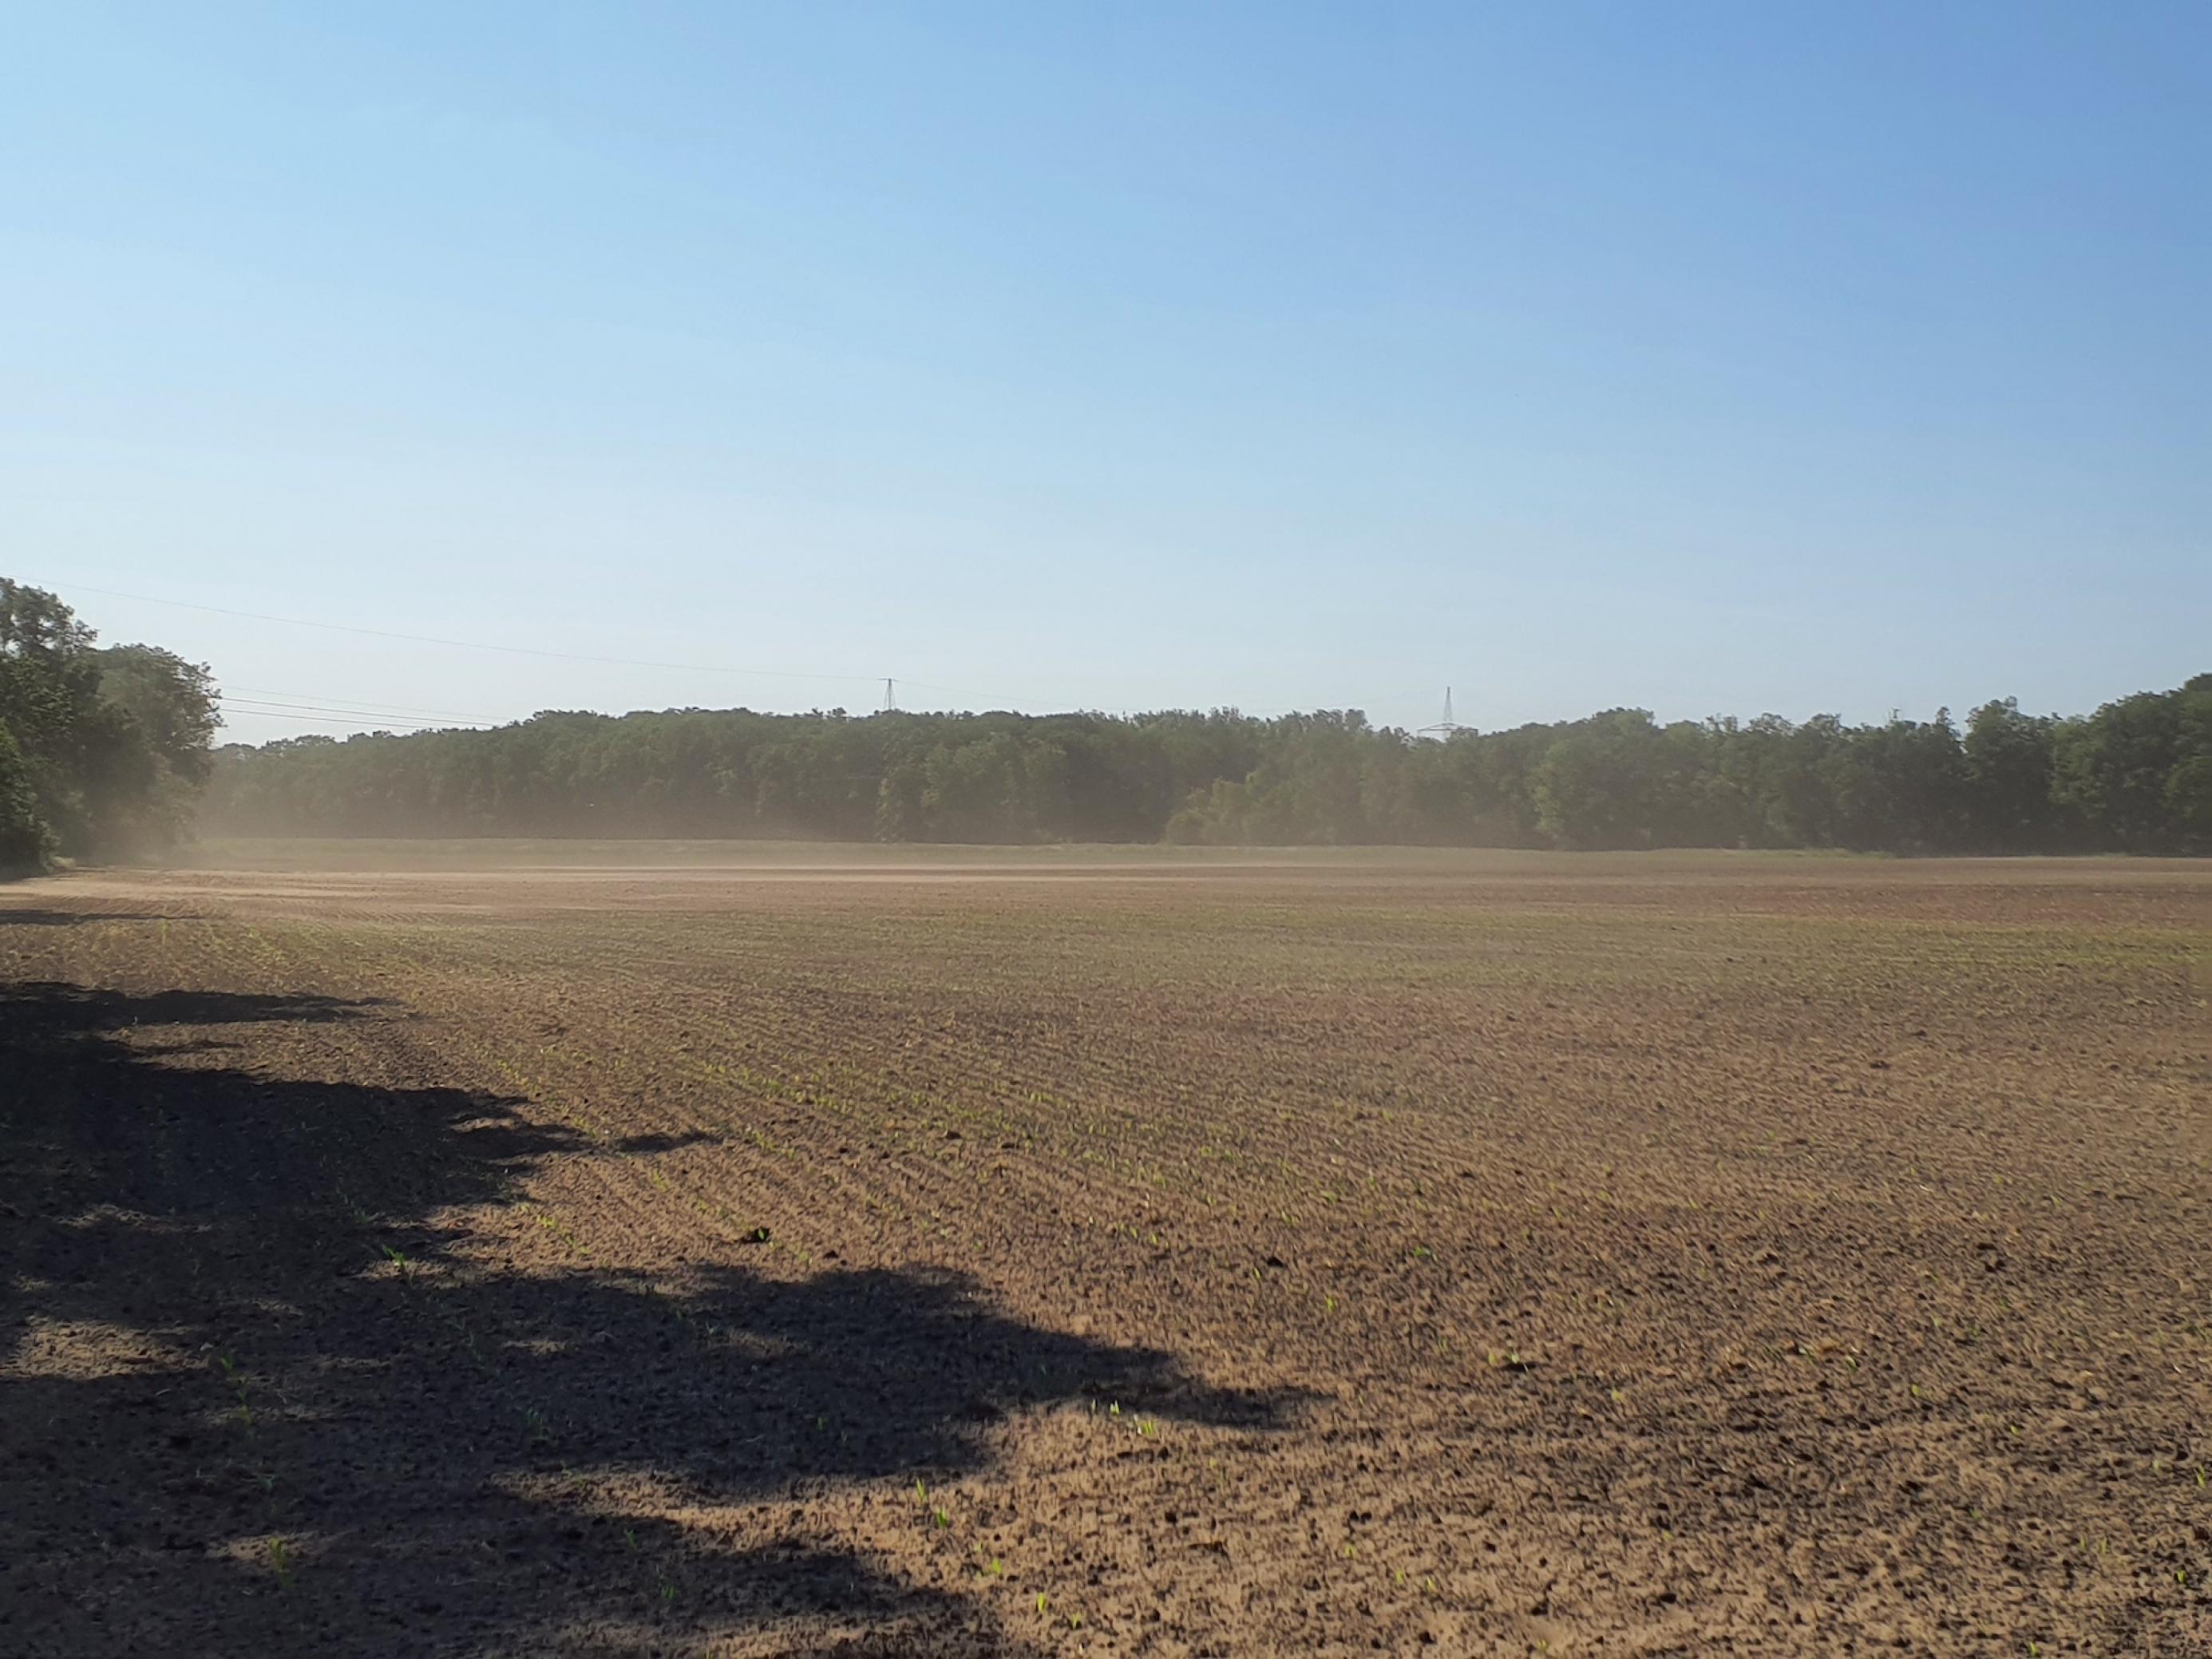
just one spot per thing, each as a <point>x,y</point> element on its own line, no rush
<point>1700,357</point>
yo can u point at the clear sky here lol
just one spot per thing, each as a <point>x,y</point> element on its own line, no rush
<point>1700,357</point>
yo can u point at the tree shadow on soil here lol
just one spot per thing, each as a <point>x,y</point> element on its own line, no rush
<point>636,1144</point>
<point>238,1315</point>
<point>14,917</point>
<point>45,1009</point>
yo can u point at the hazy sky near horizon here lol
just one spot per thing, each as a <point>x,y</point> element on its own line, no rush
<point>1707,358</point>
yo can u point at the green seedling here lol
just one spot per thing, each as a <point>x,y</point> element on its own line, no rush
<point>237,1381</point>
<point>281,1562</point>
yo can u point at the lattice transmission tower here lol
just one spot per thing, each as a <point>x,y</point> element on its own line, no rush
<point>1444,728</point>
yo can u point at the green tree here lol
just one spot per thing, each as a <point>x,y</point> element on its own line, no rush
<point>2189,785</point>
<point>156,722</point>
<point>49,700</point>
<point>1899,788</point>
<point>108,746</point>
<point>25,843</point>
<point>2011,761</point>
<point>1597,786</point>
<point>2128,776</point>
<point>2118,767</point>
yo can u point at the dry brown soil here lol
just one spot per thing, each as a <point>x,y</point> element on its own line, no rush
<point>1112,1255</point>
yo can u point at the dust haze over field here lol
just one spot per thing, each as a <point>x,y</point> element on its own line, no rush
<point>1143,829</point>
<point>613,1249</point>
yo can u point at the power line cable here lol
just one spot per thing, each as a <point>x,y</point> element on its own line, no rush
<point>232,718</point>
<point>328,720</point>
<point>230,688</point>
<point>983,703</point>
<point>269,705</point>
<point>255,706</point>
<point>477,645</point>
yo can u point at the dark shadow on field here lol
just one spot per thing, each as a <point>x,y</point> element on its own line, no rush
<point>235,1314</point>
<point>12,917</point>
<point>646,1145</point>
<point>51,1009</point>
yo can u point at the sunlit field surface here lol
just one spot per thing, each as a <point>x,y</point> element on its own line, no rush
<point>613,1248</point>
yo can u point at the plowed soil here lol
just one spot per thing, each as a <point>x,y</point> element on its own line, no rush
<point>1127,1255</point>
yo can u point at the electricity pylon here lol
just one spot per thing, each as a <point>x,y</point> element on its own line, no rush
<point>1444,728</point>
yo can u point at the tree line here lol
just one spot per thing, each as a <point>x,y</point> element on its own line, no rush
<point>2134,776</point>
<point>102,750</point>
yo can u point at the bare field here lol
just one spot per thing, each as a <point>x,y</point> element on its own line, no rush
<point>531,1250</point>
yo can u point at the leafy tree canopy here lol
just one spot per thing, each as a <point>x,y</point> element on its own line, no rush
<point>2137,775</point>
<point>101,751</point>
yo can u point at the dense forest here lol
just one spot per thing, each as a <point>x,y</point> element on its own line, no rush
<point>105,753</point>
<point>102,750</point>
<point>2134,776</point>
